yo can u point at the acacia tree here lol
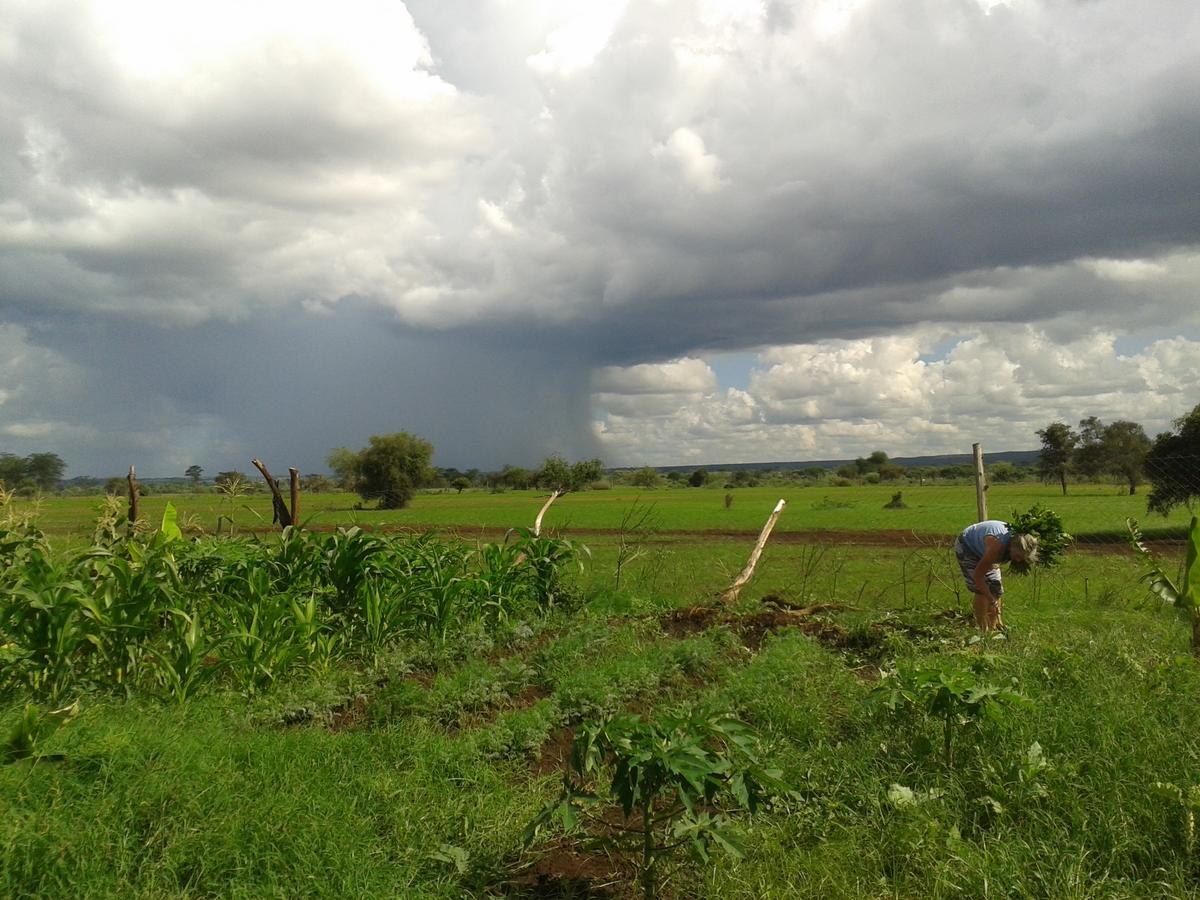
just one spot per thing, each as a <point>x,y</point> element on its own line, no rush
<point>1118,449</point>
<point>1058,448</point>
<point>646,476</point>
<point>1172,464</point>
<point>1088,459</point>
<point>1125,447</point>
<point>45,469</point>
<point>194,473</point>
<point>343,462</point>
<point>389,469</point>
<point>554,473</point>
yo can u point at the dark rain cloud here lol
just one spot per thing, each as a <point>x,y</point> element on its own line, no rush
<point>283,247</point>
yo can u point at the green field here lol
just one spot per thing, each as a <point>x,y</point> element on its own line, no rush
<point>412,770</point>
<point>939,510</point>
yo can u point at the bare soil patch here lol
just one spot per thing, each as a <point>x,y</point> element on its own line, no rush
<point>552,758</point>
<point>562,871</point>
<point>754,628</point>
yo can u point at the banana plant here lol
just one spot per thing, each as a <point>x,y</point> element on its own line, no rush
<point>1185,597</point>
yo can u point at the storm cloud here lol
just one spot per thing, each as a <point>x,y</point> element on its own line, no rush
<point>518,228</point>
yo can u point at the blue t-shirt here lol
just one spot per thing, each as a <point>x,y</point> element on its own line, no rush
<point>973,535</point>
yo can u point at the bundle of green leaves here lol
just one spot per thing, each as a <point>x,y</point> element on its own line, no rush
<point>1047,526</point>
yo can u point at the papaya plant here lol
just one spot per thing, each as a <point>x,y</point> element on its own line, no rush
<point>675,779</point>
<point>957,698</point>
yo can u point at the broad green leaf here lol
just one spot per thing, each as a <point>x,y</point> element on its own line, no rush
<point>1190,593</point>
<point>170,527</point>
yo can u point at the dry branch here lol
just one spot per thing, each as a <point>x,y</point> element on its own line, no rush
<point>282,516</point>
<point>740,582</point>
<point>537,523</point>
<point>810,610</point>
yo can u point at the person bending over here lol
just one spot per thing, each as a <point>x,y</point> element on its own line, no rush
<point>980,549</point>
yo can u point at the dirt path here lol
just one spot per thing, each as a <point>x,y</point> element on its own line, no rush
<point>895,538</point>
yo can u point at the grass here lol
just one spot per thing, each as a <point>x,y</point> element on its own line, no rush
<point>428,797</point>
<point>1089,511</point>
<point>415,776</point>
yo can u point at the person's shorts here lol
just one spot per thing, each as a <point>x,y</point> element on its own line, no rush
<point>967,561</point>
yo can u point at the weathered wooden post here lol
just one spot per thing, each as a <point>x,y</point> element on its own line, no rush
<point>134,491</point>
<point>980,484</point>
<point>294,478</point>
<point>731,593</point>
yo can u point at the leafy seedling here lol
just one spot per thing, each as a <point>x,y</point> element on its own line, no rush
<point>674,781</point>
<point>957,698</point>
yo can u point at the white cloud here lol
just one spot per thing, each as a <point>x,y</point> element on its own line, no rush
<point>578,39</point>
<point>701,169</point>
<point>845,398</point>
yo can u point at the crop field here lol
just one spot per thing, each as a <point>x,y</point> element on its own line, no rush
<point>374,711</point>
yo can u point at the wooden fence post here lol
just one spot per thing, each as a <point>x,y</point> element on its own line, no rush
<point>980,484</point>
<point>294,479</point>
<point>134,491</point>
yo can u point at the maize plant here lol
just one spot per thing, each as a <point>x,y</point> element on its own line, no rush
<point>439,586</point>
<point>47,625</point>
<point>544,560</point>
<point>261,635</point>
<point>126,609</point>
<point>351,560</point>
<point>32,728</point>
<point>187,660</point>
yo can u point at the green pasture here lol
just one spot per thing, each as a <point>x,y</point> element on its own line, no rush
<point>425,792</point>
<point>1095,512</point>
<point>411,771</point>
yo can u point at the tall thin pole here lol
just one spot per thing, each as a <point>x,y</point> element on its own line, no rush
<point>134,490</point>
<point>980,483</point>
<point>294,478</point>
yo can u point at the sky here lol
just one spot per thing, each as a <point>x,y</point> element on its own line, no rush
<point>661,232</point>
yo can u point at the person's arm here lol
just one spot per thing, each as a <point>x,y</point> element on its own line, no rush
<point>993,552</point>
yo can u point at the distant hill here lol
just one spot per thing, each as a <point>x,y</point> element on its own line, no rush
<point>1016,457</point>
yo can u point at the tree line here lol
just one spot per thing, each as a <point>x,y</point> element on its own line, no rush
<point>392,467</point>
<point>1122,449</point>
